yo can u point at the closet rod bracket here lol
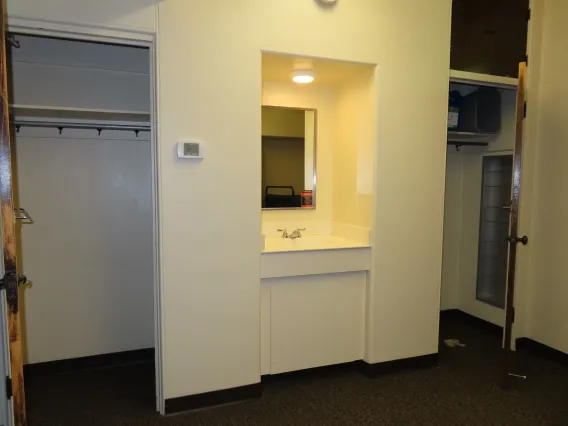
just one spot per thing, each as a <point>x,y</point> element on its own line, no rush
<point>11,40</point>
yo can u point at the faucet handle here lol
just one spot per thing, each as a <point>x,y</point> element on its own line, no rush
<point>297,233</point>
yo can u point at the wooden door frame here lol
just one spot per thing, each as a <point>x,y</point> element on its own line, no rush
<point>514,226</point>
<point>9,241</point>
<point>127,37</point>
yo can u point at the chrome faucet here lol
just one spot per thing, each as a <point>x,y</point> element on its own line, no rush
<point>296,233</point>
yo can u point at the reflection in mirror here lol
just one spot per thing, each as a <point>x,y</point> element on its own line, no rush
<point>288,157</point>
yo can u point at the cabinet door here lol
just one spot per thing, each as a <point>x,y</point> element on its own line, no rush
<point>489,36</point>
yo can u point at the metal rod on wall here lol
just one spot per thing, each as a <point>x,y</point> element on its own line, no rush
<point>98,127</point>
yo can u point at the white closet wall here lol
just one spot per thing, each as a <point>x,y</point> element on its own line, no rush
<point>50,72</point>
<point>453,205</point>
<point>89,250</point>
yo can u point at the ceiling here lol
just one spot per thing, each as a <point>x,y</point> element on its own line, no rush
<point>277,68</point>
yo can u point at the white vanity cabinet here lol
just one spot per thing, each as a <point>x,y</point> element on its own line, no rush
<point>317,317</point>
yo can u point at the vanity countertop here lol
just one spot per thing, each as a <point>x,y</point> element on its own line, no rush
<point>309,243</point>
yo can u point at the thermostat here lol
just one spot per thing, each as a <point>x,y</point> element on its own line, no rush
<point>189,149</point>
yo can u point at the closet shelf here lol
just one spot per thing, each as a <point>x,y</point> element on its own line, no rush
<point>465,138</point>
<point>483,79</point>
<point>78,116</point>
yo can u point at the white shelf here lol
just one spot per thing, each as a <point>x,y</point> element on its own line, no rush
<point>483,79</point>
<point>49,114</point>
<point>470,137</point>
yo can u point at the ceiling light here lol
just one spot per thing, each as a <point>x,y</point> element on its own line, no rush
<point>303,76</point>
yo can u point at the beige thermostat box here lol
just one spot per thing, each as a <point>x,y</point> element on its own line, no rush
<point>189,149</point>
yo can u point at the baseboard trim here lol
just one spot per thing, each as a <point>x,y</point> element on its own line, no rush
<point>213,399</point>
<point>396,366</point>
<point>542,350</point>
<point>324,371</point>
<point>90,362</point>
<point>459,315</point>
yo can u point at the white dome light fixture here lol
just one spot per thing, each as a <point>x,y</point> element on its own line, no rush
<point>303,76</point>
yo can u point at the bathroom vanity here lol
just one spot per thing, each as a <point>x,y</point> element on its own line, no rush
<point>317,139</point>
<point>313,293</point>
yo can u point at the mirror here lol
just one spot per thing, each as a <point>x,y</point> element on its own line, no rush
<point>288,158</point>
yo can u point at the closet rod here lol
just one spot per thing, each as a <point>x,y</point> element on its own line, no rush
<point>468,143</point>
<point>99,127</point>
<point>459,145</point>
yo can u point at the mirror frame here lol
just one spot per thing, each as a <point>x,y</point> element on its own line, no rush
<point>314,190</point>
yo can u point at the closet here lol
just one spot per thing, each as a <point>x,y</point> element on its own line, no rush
<point>481,137</point>
<point>488,41</point>
<point>83,173</point>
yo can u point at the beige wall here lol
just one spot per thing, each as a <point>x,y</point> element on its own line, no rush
<point>546,297</point>
<point>353,151</point>
<point>283,122</point>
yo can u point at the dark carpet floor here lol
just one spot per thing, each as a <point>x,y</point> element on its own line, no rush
<point>464,390</point>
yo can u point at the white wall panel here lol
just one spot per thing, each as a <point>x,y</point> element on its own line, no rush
<point>317,320</point>
<point>265,324</point>
<point>89,250</point>
<point>210,89</point>
<point>453,205</point>
<point>48,85</point>
<point>51,51</point>
<point>547,296</point>
<point>313,262</point>
<point>137,15</point>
